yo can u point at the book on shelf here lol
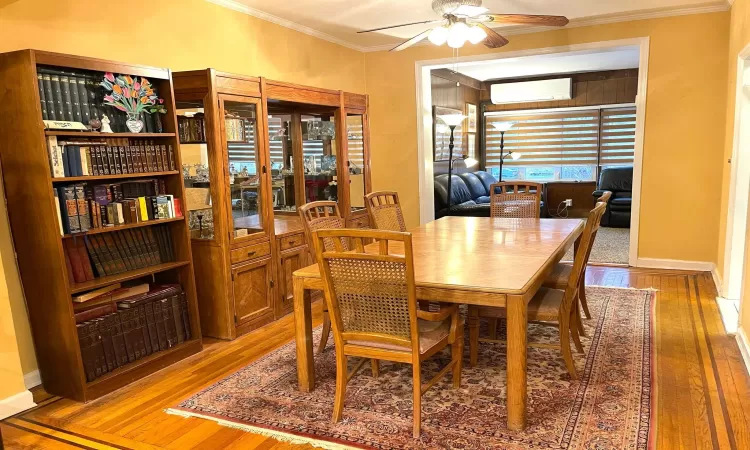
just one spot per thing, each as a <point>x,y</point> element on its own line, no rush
<point>95,293</point>
<point>111,156</point>
<point>140,325</point>
<point>119,251</point>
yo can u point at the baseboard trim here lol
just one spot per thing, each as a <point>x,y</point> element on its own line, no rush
<point>744,345</point>
<point>32,379</point>
<point>16,403</point>
<point>676,264</point>
<point>717,279</point>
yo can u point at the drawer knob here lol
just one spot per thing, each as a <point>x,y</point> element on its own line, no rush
<point>291,242</point>
<point>250,253</point>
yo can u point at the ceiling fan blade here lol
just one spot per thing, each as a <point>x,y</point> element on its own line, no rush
<point>411,41</point>
<point>527,19</point>
<point>493,39</point>
<point>403,25</point>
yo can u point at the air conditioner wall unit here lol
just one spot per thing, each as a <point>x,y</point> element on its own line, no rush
<point>532,91</point>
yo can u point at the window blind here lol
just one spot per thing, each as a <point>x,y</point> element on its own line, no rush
<point>244,153</point>
<point>355,143</point>
<point>587,137</point>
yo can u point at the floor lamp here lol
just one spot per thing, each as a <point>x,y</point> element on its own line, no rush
<point>502,127</point>
<point>452,120</point>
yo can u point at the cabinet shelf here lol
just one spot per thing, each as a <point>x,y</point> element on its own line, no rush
<point>76,288</point>
<point>114,177</point>
<point>147,223</point>
<point>98,134</point>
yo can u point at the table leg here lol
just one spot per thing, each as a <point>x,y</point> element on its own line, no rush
<point>516,324</point>
<point>303,337</point>
<point>473,320</point>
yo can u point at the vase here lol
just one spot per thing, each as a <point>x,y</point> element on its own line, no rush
<point>134,124</point>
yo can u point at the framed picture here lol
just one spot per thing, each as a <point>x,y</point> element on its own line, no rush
<point>471,112</point>
<point>441,135</point>
<point>471,139</point>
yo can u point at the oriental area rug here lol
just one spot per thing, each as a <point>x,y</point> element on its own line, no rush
<point>610,406</point>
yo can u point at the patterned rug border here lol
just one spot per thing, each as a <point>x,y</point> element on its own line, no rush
<point>330,443</point>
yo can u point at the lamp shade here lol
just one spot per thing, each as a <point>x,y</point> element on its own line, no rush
<point>452,120</point>
<point>515,156</point>
<point>470,162</point>
<point>503,126</point>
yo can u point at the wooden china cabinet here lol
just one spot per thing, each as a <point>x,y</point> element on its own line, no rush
<point>254,150</point>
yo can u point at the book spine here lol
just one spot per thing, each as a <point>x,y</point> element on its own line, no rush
<point>42,99</point>
<point>67,101</point>
<point>55,158</point>
<point>74,98</point>
<point>118,340</point>
<point>83,98</point>
<point>57,97</point>
<point>70,209</point>
<point>177,316</point>
<point>185,316</point>
<point>84,341</point>
<point>49,97</point>
<point>84,219</point>
<point>94,257</point>
<point>84,257</point>
<point>79,275</point>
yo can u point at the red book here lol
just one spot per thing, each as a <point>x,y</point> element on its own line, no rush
<point>177,207</point>
<point>69,266</point>
<point>85,260</point>
<point>79,275</point>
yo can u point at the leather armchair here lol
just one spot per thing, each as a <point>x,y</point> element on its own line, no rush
<point>618,180</point>
<point>469,194</point>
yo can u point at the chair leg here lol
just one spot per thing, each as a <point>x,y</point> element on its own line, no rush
<point>579,320</point>
<point>565,348</point>
<point>326,332</point>
<point>375,366</point>
<point>492,324</point>
<point>417,378</point>
<point>473,335</point>
<point>457,355</point>
<point>338,402</point>
<point>575,326</point>
<point>582,297</point>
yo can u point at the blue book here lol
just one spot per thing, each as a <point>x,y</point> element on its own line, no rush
<point>77,157</point>
<point>66,162</point>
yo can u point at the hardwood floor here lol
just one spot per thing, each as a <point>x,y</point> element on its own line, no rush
<point>701,397</point>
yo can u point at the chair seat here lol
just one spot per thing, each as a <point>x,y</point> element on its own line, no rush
<point>545,306</point>
<point>558,279</point>
<point>430,334</point>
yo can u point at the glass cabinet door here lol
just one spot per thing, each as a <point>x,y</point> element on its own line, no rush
<point>357,163</point>
<point>319,158</point>
<point>196,166</point>
<point>282,162</point>
<point>239,132</point>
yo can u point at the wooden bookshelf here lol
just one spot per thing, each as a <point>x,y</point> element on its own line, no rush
<point>33,219</point>
<point>118,176</point>
<point>126,226</point>
<point>97,134</point>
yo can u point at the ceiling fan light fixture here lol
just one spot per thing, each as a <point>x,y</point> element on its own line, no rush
<point>477,34</point>
<point>438,35</point>
<point>469,11</point>
<point>458,35</point>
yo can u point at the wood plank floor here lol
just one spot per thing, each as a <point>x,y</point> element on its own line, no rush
<point>702,395</point>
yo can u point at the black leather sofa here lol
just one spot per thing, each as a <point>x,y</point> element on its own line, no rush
<point>470,194</point>
<point>618,180</point>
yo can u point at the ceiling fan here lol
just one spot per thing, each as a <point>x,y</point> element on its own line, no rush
<point>466,20</point>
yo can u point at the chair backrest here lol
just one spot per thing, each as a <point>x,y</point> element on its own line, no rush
<point>371,296</point>
<point>320,215</point>
<point>581,259</point>
<point>606,195</point>
<point>521,199</point>
<point>385,211</point>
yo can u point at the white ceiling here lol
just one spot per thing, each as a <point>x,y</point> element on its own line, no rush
<point>529,66</point>
<point>339,20</point>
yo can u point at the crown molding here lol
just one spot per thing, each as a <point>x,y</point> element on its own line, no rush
<point>721,6</point>
<point>239,7</point>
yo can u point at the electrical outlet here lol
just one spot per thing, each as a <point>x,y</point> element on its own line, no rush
<point>569,202</point>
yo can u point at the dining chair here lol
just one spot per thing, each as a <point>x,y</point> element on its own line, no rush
<point>515,199</point>
<point>316,216</point>
<point>556,306</point>
<point>372,300</point>
<point>558,279</point>
<point>385,211</point>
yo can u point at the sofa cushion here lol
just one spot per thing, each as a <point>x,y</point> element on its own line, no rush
<point>616,179</point>
<point>475,185</point>
<point>487,180</point>
<point>485,199</point>
<point>622,201</point>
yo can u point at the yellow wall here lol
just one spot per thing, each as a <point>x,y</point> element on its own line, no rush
<point>739,38</point>
<point>682,162</point>
<point>180,35</point>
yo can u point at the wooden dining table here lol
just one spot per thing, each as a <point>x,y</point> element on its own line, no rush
<point>467,260</point>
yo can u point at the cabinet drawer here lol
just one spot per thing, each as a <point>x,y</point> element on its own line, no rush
<point>241,254</point>
<point>292,241</point>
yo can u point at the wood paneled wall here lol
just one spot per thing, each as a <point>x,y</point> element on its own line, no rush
<point>589,89</point>
<point>446,94</point>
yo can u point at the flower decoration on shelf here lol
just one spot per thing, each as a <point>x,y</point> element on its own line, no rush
<point>133,97</point>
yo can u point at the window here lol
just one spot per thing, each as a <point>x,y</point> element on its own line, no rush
<point>560,144</point>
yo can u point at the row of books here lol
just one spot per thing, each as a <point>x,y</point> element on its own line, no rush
<point>191,129</point>
<point>118,334</point>
<point>70,96</point>
<point>99,255</point>
<point>109,157</point>
<point>82,207</point>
